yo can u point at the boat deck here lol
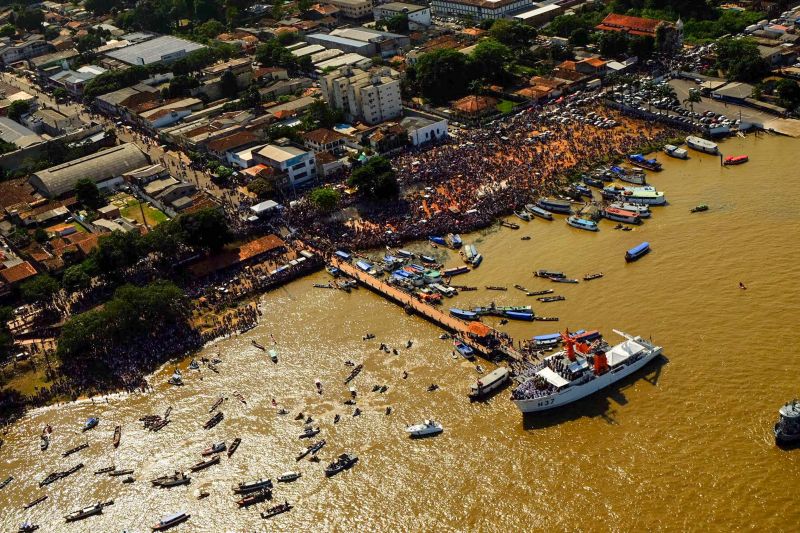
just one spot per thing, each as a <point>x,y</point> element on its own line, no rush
<point>421,308</point>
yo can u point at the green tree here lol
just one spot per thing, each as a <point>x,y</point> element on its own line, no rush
<point>512,33</point>
<point>274,54</point>
<point>489,59</point>
<point>88,194</point>
<point>7,30</point>
<point>579,37</point>
<point>304,5</point>
<point>38,288</point>
<point>228,84</point>
<point>210,29</point>
<point>321,115</point>
<point>375,179</point>
<point>443,75</point>
<point>40,236</point>
<point>692,98</point>
<point>788,92</point>
<point>395,24</point>
<point>325,198</point>
<point>180,86</point>
<point>28,18</point>
<point>18,108</point>
<point>613,44</point>
<point>75,278</point>
<point>101,7</point>
<point>741,60</point>
<point>262,187</point>
<point>205,229</point>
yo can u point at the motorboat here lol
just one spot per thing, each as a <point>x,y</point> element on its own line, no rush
<point>202,465</point>
<point>288,477</point>
<point>170,520</point>
<point>90,423</point>
<point>593,182</point>
<point>309,432</point>
<point>86,512</point>
<point>464,349</point>
<point>244,488</point>
<point>637,252</point>
<point>673,151</point>
<point>582,223</point>
<point>214,448</point>
<point>254,498</point>
<point>735,160</point>
<point>439,241</point>
<point>176,378</point>
<point>699,208</point>
<point>642,162</point>
<point>642,210</point>
<point>276,510</point>
<point>630,175</point>
<point>425,429</point>
<point>345,461</point>
<point>522,215</point>
<point>311,449</point>
<point>787,429</point>
<point>555,206</point>
<point>27,527</point>
<point>539,212</point>
<point>454,239</point>
<point>176,479</point>
<point>273,355</point>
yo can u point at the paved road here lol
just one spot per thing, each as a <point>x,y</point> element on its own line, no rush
<point>177,163</point>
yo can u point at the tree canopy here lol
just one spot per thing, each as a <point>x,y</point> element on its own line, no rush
<point>488,59</point>
<point>38,288</point>
<point>325,198</point>
<point>740,59</point>
<point>375,179</point>
<point>512,33</point>
<point>442,75</point>
<point>88,194</point>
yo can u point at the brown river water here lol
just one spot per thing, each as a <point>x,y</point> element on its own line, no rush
<point>684,445</point>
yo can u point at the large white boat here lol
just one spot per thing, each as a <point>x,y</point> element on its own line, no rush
<point>701,145</point>
<point>579,371</point>
<point>427,428</point>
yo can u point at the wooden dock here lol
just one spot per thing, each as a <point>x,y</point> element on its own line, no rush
<point>415,306</point>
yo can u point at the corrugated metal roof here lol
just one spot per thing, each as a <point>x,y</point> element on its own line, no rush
<point>61,179</point>
<point>154,50</point>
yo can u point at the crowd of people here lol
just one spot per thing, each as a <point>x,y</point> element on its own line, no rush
<point>467,182</point>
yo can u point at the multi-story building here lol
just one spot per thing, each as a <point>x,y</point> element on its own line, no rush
<point>373,97</point>
<point>353,9</point>
<point>418,16</point>
<point>479,9</point>
<point>11,52</point>
<point>298,165</point>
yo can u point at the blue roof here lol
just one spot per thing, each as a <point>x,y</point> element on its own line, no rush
<point>639,248</point>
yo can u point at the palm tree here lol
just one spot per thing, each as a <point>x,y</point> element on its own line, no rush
<point>693,98</point>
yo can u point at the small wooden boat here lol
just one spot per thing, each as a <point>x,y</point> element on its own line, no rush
<point>214,448</point>
<point>90,423</point>
<point>278,509</point>
<point>257,345</point>
<point>169,521</point>
<point>123,472</point>
<point>510,225</point>
<point>8,480</point>
<point>128,479</point>
<point>309,432</point>
<point>311,449</point>
<point>178,478</point>
<point>158,426</point>
<point>345,461</point>
<point>539,293</point>
<point>204,464</point>
<point>254,498</point>
<point>86,512</point>
<point>252,486</point>
<point>496,288</point>
<point>216,404</point>
<point>44,442</point>
<point>76,449</point>
<point>546,318</point>
<point>117,435</point>
<point>589,277</point>
<point>564,280</point>
<point>288,477</point>
<point>214,420</point>
<point>735,160</point>
<point>27,527</point>
<point>105,470</point>
<point>546,299</point>
<point>234,446</point>
<point>699,208</point>
<point>550,274</point>
<point>213,368</point>
<point>37,501</point>
<point>356,370</point>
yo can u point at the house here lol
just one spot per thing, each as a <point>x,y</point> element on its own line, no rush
<point>353,9</point>
<point>387,137</point>
<point>41,64</point>
<point>115,102</point>
<point>17,134</point>
<point>644,27</point>
<point>35,46</point>
<point>324,140</point>
<point>73,81</point>
<point>344,44</point>
<point>17,273</point>
<point>385,44</point>
<point>226,148</point>
<point>52,122</point>
<point>473,106</point>
<point>299,165</point>
<point>419,17</point>
<point>319,12</point>
<point>422,130</point>
<point>328,164</point>
<point>169,112</point>
<point>175,191</point>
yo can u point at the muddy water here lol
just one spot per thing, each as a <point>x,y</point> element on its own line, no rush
<point>684,445</point>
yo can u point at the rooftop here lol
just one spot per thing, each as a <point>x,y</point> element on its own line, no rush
<point>280,154</point>
<point>402,6</point>
<point>628,24</point>
<point>163,48</point>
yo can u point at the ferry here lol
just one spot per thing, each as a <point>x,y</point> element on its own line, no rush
<point>642,210</point>
<point>621,215</point>
<point>643,195</point>
<point>366,267</point>
<point>637,252</point>
<point>463,314</point>
<point>702,145</point>
<point>673,151</point>
<point>455,271</point>
<point>641,161</point>
<point>539,212</point>
<point>735,160</point>
<point>582,223</point>
<point>170,520</point>
<point>555,206</point>
<point>488,383</point>
<point>426,429</point>
<point>579,371</point>
<point>468,253</point>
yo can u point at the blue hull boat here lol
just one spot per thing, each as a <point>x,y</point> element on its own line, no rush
<point>637,252</point>
<point>427,259</point>
<point>518,315</point>
<point>464,350</point>
<point>455,271</point>
<point>463,314</point>
<point>437,240</point>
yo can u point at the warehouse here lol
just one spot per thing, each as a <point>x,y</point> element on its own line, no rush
<point>161,49</point>
<point>104,168</point>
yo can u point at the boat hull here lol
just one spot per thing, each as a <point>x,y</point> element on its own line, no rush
<point>572,394</point>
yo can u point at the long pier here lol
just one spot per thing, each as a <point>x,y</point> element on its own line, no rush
<point>442,319</point>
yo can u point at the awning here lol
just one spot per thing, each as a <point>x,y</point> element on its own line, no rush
<point>552,378</point>
<point>478,329</point>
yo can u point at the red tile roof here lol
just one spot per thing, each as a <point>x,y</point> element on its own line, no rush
<point>474,104</point>
<point>323,136</point>
<point>18,272</point>
<point>628,24</point>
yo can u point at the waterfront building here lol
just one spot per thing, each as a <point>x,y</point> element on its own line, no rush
<point>373,96</point>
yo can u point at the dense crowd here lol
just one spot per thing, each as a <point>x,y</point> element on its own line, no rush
<point>467,182</point>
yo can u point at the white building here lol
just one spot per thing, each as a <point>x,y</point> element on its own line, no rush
<point>418,16</point>
<point>299,165</point>
<point>373,97</point>
<point>479,9</point>
<point>422,130</point>
<point>353,9</point>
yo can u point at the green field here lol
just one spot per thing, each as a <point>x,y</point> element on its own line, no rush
<point>505,106</point>
<point>133,211</point>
